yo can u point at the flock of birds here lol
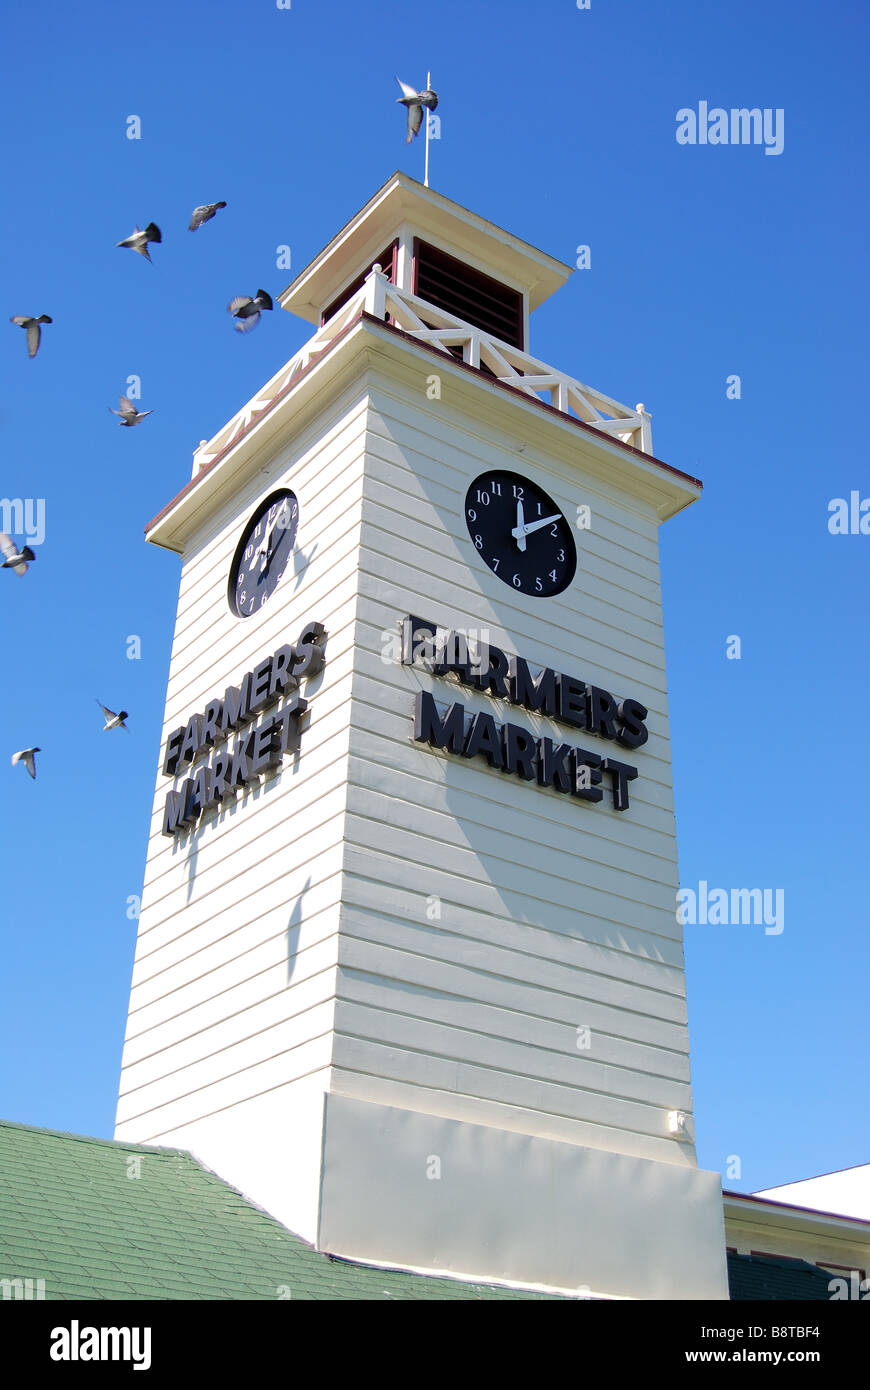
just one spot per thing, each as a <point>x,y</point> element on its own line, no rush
<point>246,311</point>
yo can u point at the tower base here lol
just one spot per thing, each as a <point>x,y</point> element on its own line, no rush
<point>418,1191</point>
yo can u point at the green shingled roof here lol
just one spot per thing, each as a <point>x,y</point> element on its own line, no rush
<point>73,1214</point>
<point>755,1277</point>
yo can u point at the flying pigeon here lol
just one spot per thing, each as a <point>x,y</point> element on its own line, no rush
<point>246,311</point>
<point>28,758</point>
<point>32,329</point>
<point>128,412</point>
<point>13,558</point>
<point>415,101</point>
<point>203,214</point>
<point>138,241</point>
<point>113,720</point>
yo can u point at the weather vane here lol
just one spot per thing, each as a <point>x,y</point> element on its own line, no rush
<point>415,102</point>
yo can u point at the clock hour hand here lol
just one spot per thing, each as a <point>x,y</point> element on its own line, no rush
<point>522,531</point>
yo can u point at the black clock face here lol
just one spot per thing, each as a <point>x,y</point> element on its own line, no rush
<point>521,534</point>
<point>263,553</point>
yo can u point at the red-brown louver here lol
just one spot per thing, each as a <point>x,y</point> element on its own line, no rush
<point>469,294</point>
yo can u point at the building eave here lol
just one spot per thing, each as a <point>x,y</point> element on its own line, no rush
<point>743,1206</point>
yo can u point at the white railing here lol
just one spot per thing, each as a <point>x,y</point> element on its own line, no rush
<point>422,320</point>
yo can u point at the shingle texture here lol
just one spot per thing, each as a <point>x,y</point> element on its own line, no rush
<point>769,1277</point>
<point>96,1219</point>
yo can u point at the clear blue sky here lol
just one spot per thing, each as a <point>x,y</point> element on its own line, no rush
<point>708,260</point>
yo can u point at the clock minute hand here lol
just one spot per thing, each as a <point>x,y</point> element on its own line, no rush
<point>265,547</point>
<point>519,531</point>
<point>522,531</point>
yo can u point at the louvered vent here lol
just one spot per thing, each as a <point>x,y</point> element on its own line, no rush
<point>469,294</point>
<point>387,262</point>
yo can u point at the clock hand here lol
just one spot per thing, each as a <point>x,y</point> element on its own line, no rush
<point>265,547</point>
<point>519,531</point>
<point>523,531</point>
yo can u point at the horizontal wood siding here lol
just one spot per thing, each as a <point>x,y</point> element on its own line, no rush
<point>292,935</point>
<point>555,915</point>
<point>233,991</point>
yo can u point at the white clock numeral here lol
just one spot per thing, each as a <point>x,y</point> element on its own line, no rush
<point>553,575</point>
<point>495,489</point>
<point>539,586</point>
<point>517,582</point>
<point>471,514</point>
<point>495,563</point>
<point>540,509</point>
<point>483,498</point>
<point>554,530</point>
<point>560,555</point>
<point>519,491</point>
<point>478,541</point>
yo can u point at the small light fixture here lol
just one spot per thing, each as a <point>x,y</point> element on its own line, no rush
<point>678,1124</point>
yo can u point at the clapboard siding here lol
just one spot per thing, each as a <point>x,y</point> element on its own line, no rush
<point>534,995</point>
<point>489,853</point>
<point>233,1089</point>
<point>572,937</point>
<point>270,997</point>
<point>221,1066</point>
<point>442,576</point>
<point>475,1109</point>
<point>381,595</point>
<point>532,1061</point>
<point>458,820</point>
<point>216,875</point>
<point>375,744</point>
<point>318,474</point>
<point>220,643</point>
<point>485,1002</point>
<point>230,963</point>
<point>234,980</point>
<point>216,622</point>
<point>604,559</point>
<point>376,658</point>
<point>625,549</point>
<point>375,881</point>
<point>445,466</point>
<point>506,967</point>
<point>451,444</point>
<point>459,1002</point>
<point>313,779</point>
<point>169,958</point>
<point>471,1078</point>
<point>287,937</point>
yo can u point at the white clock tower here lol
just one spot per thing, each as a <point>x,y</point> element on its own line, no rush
<point>408,969</point>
